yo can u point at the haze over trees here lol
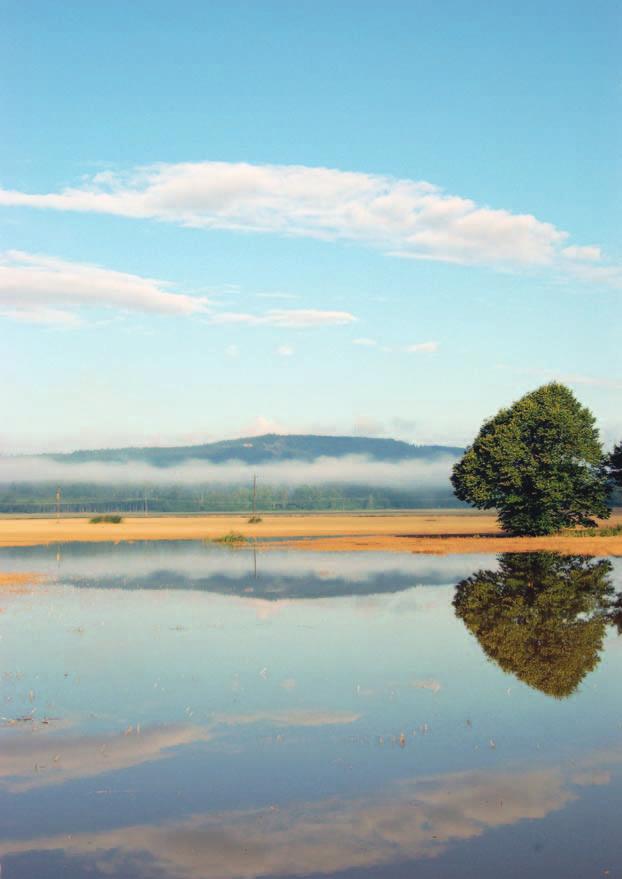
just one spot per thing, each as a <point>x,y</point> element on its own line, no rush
<point>539,463</point>
<point>353,491</point>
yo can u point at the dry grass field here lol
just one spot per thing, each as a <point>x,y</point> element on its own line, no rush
<point>420,531</point>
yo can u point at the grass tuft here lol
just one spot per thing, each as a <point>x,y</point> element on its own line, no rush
<point>109,519</point>
<point>254,520</point>
<point>233,538</point>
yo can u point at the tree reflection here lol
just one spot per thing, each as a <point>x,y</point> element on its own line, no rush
<point>542,616</point>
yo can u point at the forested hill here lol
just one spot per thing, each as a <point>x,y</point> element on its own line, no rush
<point>268,448</point>
<point>99,490</point>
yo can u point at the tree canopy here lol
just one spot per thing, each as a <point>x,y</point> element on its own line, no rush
<point>615,465</point>
<point>541,616</point>
<point>539,463</point>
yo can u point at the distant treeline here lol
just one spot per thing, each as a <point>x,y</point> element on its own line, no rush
<point>96,498</point>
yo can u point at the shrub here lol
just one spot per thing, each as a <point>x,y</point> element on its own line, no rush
<point>231,539</point>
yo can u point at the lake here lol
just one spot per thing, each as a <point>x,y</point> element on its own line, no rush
<point>178,709</point>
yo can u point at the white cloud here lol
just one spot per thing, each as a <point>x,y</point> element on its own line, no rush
<point>366,343</point>
<point>404,217</point>
<point>47,316</point>
<point>423,347</point>
<point>296,318</point>
<point>590,253</point>
<point>285,351</point>
<point>40,289</point>
<point>232,351</point>
<point>259,426</point>
<point>47,290</point>
<point>608,275</point>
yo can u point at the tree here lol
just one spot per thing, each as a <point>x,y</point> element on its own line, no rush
<point>541,616</point>
<point>539,464</point>
<point>615,465</point>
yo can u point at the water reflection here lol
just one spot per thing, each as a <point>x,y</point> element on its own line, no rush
<point>414,821</point>
<point>270,575</point>
<point>541,616</point>
<point>171,710</point>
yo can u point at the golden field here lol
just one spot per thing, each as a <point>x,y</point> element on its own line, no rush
<point>440,532</point>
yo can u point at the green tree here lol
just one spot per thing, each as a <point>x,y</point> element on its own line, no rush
<point>539,464</point>
<point>615,465</point>
<point>542,617</point>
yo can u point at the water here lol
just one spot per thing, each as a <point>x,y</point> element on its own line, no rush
<point>182,710</point>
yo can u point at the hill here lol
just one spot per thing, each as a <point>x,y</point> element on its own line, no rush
<point>103,491</point>
<point>262,449</point>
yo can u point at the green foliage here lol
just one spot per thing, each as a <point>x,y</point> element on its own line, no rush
<point>539,464</point>
<point>614,531</point>
<point>109,519</point>
<point>541,616</point>
<point>615,465</point>
<point>233,538</point>
<point>96,498</point>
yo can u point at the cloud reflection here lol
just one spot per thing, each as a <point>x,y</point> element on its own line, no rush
<point>412,820</point>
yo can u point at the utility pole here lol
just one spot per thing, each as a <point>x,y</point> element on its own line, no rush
<point>58,497</point>
<point>254,494</point>
<point>146,510</point>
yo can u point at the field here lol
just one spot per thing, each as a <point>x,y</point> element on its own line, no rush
<point>440,532</point>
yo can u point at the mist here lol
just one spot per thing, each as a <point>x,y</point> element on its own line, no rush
<point>350,469</point>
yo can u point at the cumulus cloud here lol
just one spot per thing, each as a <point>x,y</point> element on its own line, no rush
<point>357,469</point>
<point>40,289</point>
<point>589,253</point>
<point>292,318</point>
<point>422,347</point>
<point>36,288</point>
<point>365,342</point>
<point>403,217</point>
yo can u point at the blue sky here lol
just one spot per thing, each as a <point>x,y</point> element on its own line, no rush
<point>227,218</point>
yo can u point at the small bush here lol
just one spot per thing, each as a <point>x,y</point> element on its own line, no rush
<point>254,520</point>
<point>611,531</point>
<point>231,539</point>
<point>109,519</point>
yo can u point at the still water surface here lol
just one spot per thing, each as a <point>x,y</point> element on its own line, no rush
<point>182,710</point>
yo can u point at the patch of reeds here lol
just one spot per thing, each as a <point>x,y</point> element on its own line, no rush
<point>255,520</point>
<point>233,538</point>
<point>110,519</point>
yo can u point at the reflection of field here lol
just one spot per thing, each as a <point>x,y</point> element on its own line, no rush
<point>18,581</point>
<point>420,531</point>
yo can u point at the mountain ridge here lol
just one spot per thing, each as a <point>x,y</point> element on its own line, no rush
<point>270,447</point>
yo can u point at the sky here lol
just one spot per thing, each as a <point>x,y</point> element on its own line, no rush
<point>231,218</point>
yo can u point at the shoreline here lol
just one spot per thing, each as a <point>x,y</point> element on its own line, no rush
<point>440,532</point>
